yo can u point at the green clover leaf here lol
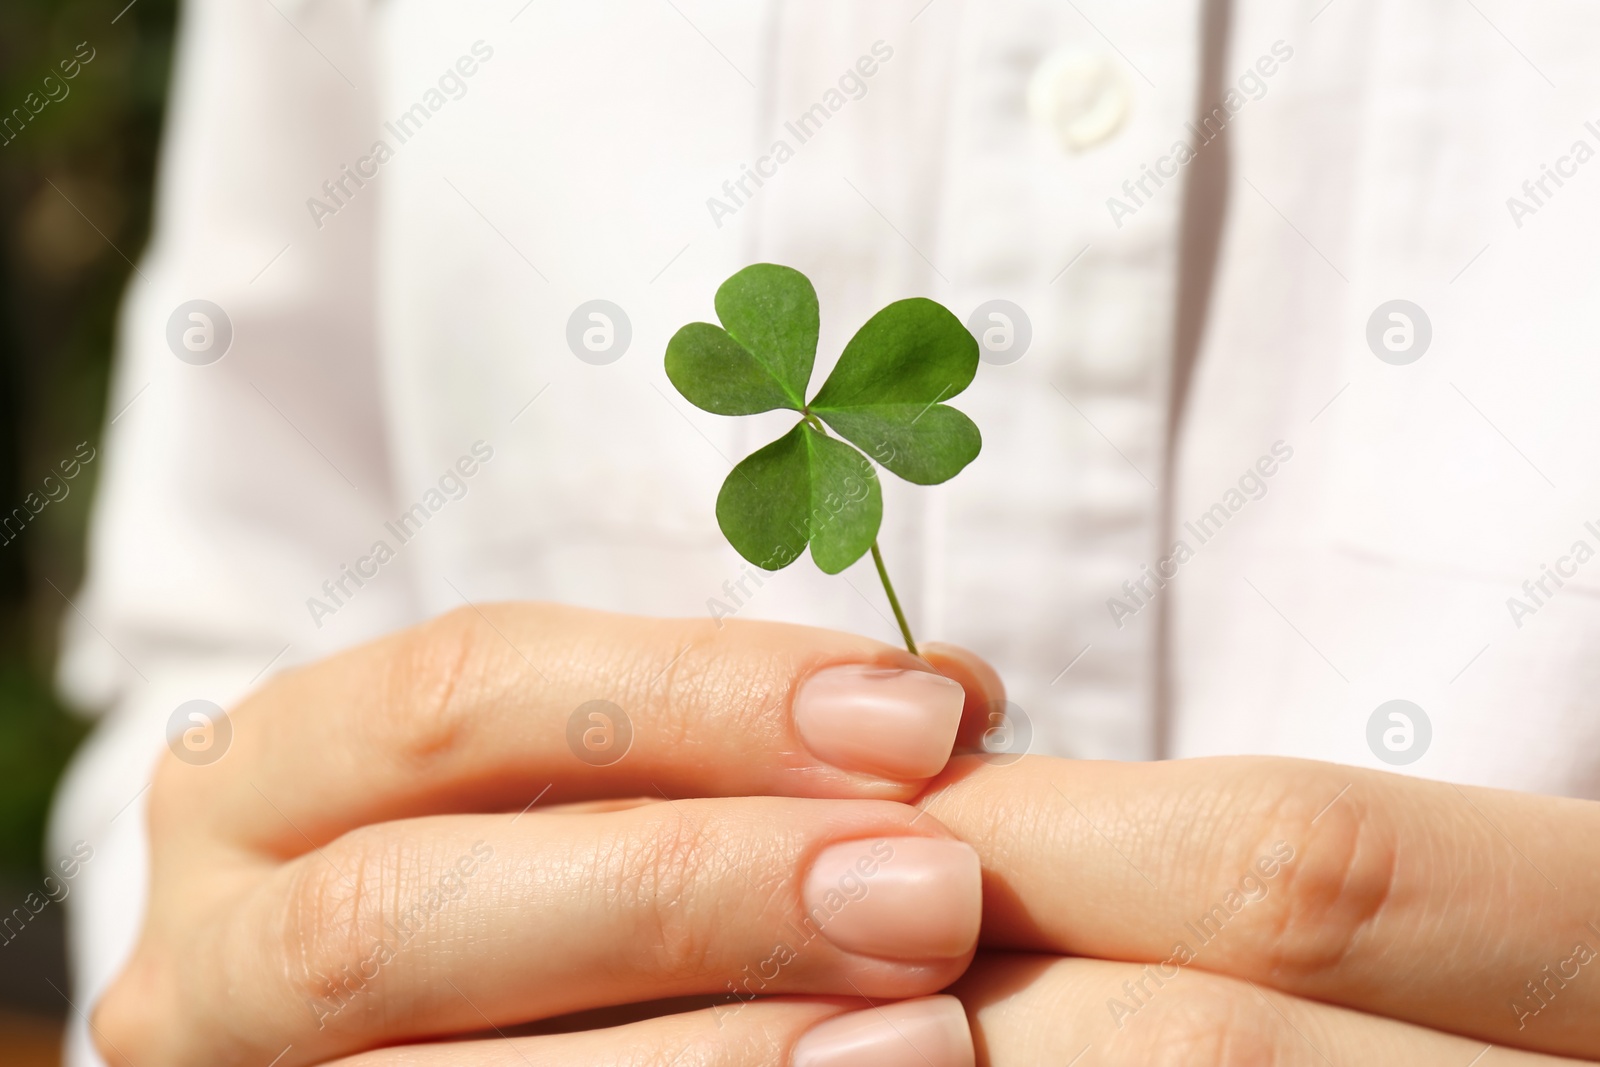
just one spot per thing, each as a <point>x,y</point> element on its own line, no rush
<point>760,357</point>
<point>804,487</point>
<point>885,396</point>
<point>885,393</point>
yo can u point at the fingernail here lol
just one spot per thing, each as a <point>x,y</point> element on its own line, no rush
<point>930,1032</point>
<point>882,721</point>
<point>899,898</point>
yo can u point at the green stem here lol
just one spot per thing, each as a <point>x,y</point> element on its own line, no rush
<point>877,558</point>
<point>894,601</point>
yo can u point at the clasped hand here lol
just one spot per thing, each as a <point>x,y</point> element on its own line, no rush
<point>491,838</point>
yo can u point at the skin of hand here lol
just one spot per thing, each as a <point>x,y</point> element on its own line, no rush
<point>1219,911</point>
<point>1264,910</point>
<point>364,873</point>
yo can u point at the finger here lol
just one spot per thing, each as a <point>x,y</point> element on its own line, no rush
<point>409,930</point>
<point>1455,908</point>
<point>1027,1010</point>
<point>930,1032</point>
<point>484,710</point>
<point>985,692</point>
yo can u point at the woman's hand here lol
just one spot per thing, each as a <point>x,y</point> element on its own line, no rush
<point>1275,911</point>
<point>361,869</point>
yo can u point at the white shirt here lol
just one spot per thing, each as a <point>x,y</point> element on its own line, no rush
<point>538,156</point>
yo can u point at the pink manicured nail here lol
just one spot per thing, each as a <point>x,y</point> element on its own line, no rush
<point>931,1032</point>
<point>882,721</point>
<point>899,898</point>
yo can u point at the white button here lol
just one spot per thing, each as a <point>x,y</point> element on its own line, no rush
<point>1081,97</point>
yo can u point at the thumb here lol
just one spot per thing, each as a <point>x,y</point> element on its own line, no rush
<point>986,693</point>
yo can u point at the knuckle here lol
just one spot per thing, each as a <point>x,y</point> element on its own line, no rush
<point>435,670</point>
<point>168,806</point>
<point>127,1022</point>
<point>1337,877</point>
<point>662,877</point>
<point>1201,1022</point>
<point>346,915</point>
<point>334,913</point>
<point>178,789</point>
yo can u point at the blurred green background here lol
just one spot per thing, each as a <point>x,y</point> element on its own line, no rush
<point>82,164</point>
